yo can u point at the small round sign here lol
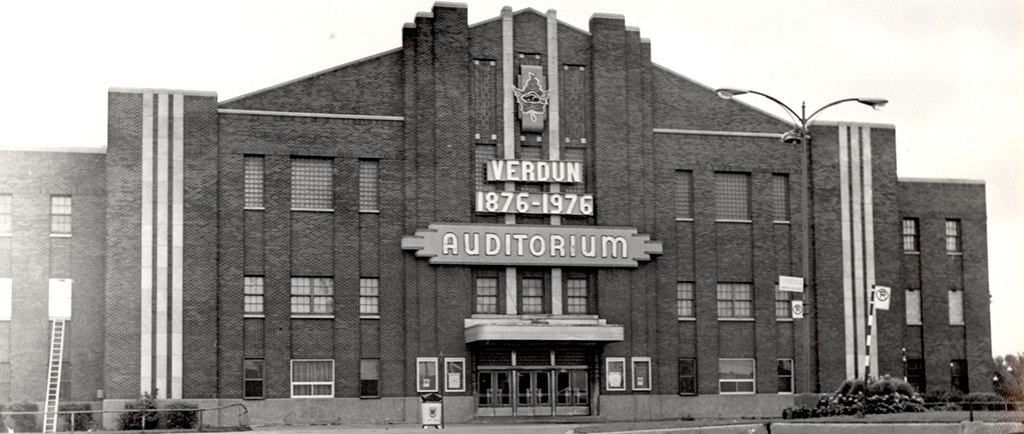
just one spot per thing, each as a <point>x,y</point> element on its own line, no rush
<point>882,294</point>
<point>798,309</point>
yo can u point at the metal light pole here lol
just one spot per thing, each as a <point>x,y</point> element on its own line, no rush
<point>801,133</point>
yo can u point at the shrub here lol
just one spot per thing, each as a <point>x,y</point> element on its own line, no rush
<point>140,410</point>
<point>883,396</point>
<point>184,416</point>
<point>24,422</point>
<point>942,395</point>
<point>985,401</point>
<point>83,421</point>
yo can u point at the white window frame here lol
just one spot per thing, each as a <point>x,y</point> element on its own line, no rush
<point>292,383</point>
<point>364,284</point>
<point>635,379</point>
<point>452,361</point>
<point>249,184</point>
<point>365,181</point>
<point>621,372</point>
<point>792,373</point>
<point>419,378</point>
<point>753,381</point>
<point>261,295</point>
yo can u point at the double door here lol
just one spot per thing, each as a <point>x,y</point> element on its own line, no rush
<point>530,392</point>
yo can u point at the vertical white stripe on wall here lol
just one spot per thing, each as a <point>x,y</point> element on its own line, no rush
<point>146,253</point>
<point>858,240</point>
<point>508,139</point>
<point>177,242</point>
<point>511,293</point>
<point>554,145</point>
<point>162,187</point>
<point>869,237</point>
<point>844,207</point>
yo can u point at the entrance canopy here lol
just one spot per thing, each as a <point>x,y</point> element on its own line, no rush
<point>580,329</point>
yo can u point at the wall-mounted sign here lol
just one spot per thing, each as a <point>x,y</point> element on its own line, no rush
<point>791,284</point>
<point>515,245</point>
<point>535,171</point>
<point>521,202</point>
<point>532,98</point>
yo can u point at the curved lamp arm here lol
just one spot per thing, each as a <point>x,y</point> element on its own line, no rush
<point>875,103</point>
<point>729,93</point>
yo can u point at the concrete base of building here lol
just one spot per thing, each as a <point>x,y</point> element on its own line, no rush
<point>664,407</point>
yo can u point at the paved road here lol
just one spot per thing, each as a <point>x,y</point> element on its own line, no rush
<point>417,429</point>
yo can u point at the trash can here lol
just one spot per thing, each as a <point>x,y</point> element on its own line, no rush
<point>431,410</point>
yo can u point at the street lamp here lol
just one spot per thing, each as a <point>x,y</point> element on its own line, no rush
<point>801,133</point>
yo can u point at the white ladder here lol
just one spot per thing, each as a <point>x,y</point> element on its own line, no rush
<point>53,379</point>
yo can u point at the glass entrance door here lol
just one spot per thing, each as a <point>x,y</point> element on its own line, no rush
<point>573,393</point>
<point>494,393</point>
<point>533,393</point>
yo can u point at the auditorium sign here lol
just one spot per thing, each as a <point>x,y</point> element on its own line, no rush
<point>520,245</point>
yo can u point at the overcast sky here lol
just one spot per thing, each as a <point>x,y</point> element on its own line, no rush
<point>953,72</point>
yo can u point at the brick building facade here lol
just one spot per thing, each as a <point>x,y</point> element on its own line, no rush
<point>281,245</point>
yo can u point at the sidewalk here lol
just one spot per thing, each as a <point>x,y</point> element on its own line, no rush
<point>415,428</point>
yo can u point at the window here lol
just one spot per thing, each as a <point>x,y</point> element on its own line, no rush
<point>312,378</point>
<point>687,376</point>
<point>735,300</point>
<point>915,374</point>
<point>6,212</point>
<point>455,374</point>
<point>615,369</point>
<point>312,295</point>
<point>312,184</point>
<point>958,375</point>
<point>575,154</point>
<point>5,298</point>
<point>484,153</point>
<point>732,196</point>
<point>60,214</point>
<point>684,194</point>
<point>641,373</point>
<point>914,307</point>
<point>736,376</point>
<point>253,181</point>
<point>911,239</point>
<point>253,295</point>
<point>956,307</point>
<point>780,198</point>
<point>533,295</point>
<point>426,374</point>
<point>253,378</point>
<point>783,303</point>
<point>684,300</point>
<point>369,185</point>
<point>369,378</point>
<point>953,236</point>
<point>486,295</point>
<point>785,372</point>
<point>576,296</point>
<point>369,297</point>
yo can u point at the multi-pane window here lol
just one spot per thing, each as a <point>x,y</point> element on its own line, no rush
<point>60,214</point>
<point>684,300</point>
<point>312,378</point>
<point>735,300</point>
<point>533,295</point>
<point>915,374</point>
<point>911,238</point>
<point>732,196</point>
<point>958,375</point>
<point>486,295</point>
<point>953,236</point>
<point>6,212</point>
<point>253,294</point>
<point>484,153</point>
<point>312,296</point>
<point>783,303</point>
<point>687,376</point>
<point>369,296</point>
<point>369,185</point>
<point>684,194</point>
<point>369,378</point>
<point>253,181</point>
<point>785,374</point>
<point>253,378</point>
<point>530,153</point>
<point>575,154</point>
<point>780,198</point>
<point>312,183</point>
<point>914,307</point>
<point>956,307</point>
<point>736,376</point>
<point>576,296</point>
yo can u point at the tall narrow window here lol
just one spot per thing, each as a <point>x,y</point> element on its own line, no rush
<point>913,307</point>
<point>688,376</point>
<point>576,296</point>
<point>732,196</point>
<point>6,213</point>
<point>486,295</point>
<point>484,154</point>
<point>684,194</point>
<point>60,214</point>
<point>312,378</point>
<point>312,296</point>
<point>575,154</point>
<point>958,375</point>
<point>641,373</point>
<point>735,300</point>
<point>455,374</point>
<point>615,373</point>
<point>915,374</point>
<point>684,300</point>
<point>785,374</point>
<point>253,378</point>
<point>369,185</point>
<point>783,303</point>
<point>780,198</point>
<point>369,378</point>
<point>736,376</point>
<point>953,236</point>
<point>533,295</point>
<point>911,240</point>
<point>312,184</point>
<point>253,181</point>
<point>956,307</point>
<point>253,294</point>
<point>369,297</point>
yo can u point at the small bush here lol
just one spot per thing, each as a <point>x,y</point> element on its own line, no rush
<point>83,421</point>
<point>942,395</point>
<point>141,410</point>
<point>185,416</point>
<point>985,401</point>
<point>24,422</point>
<point>886,395</point>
